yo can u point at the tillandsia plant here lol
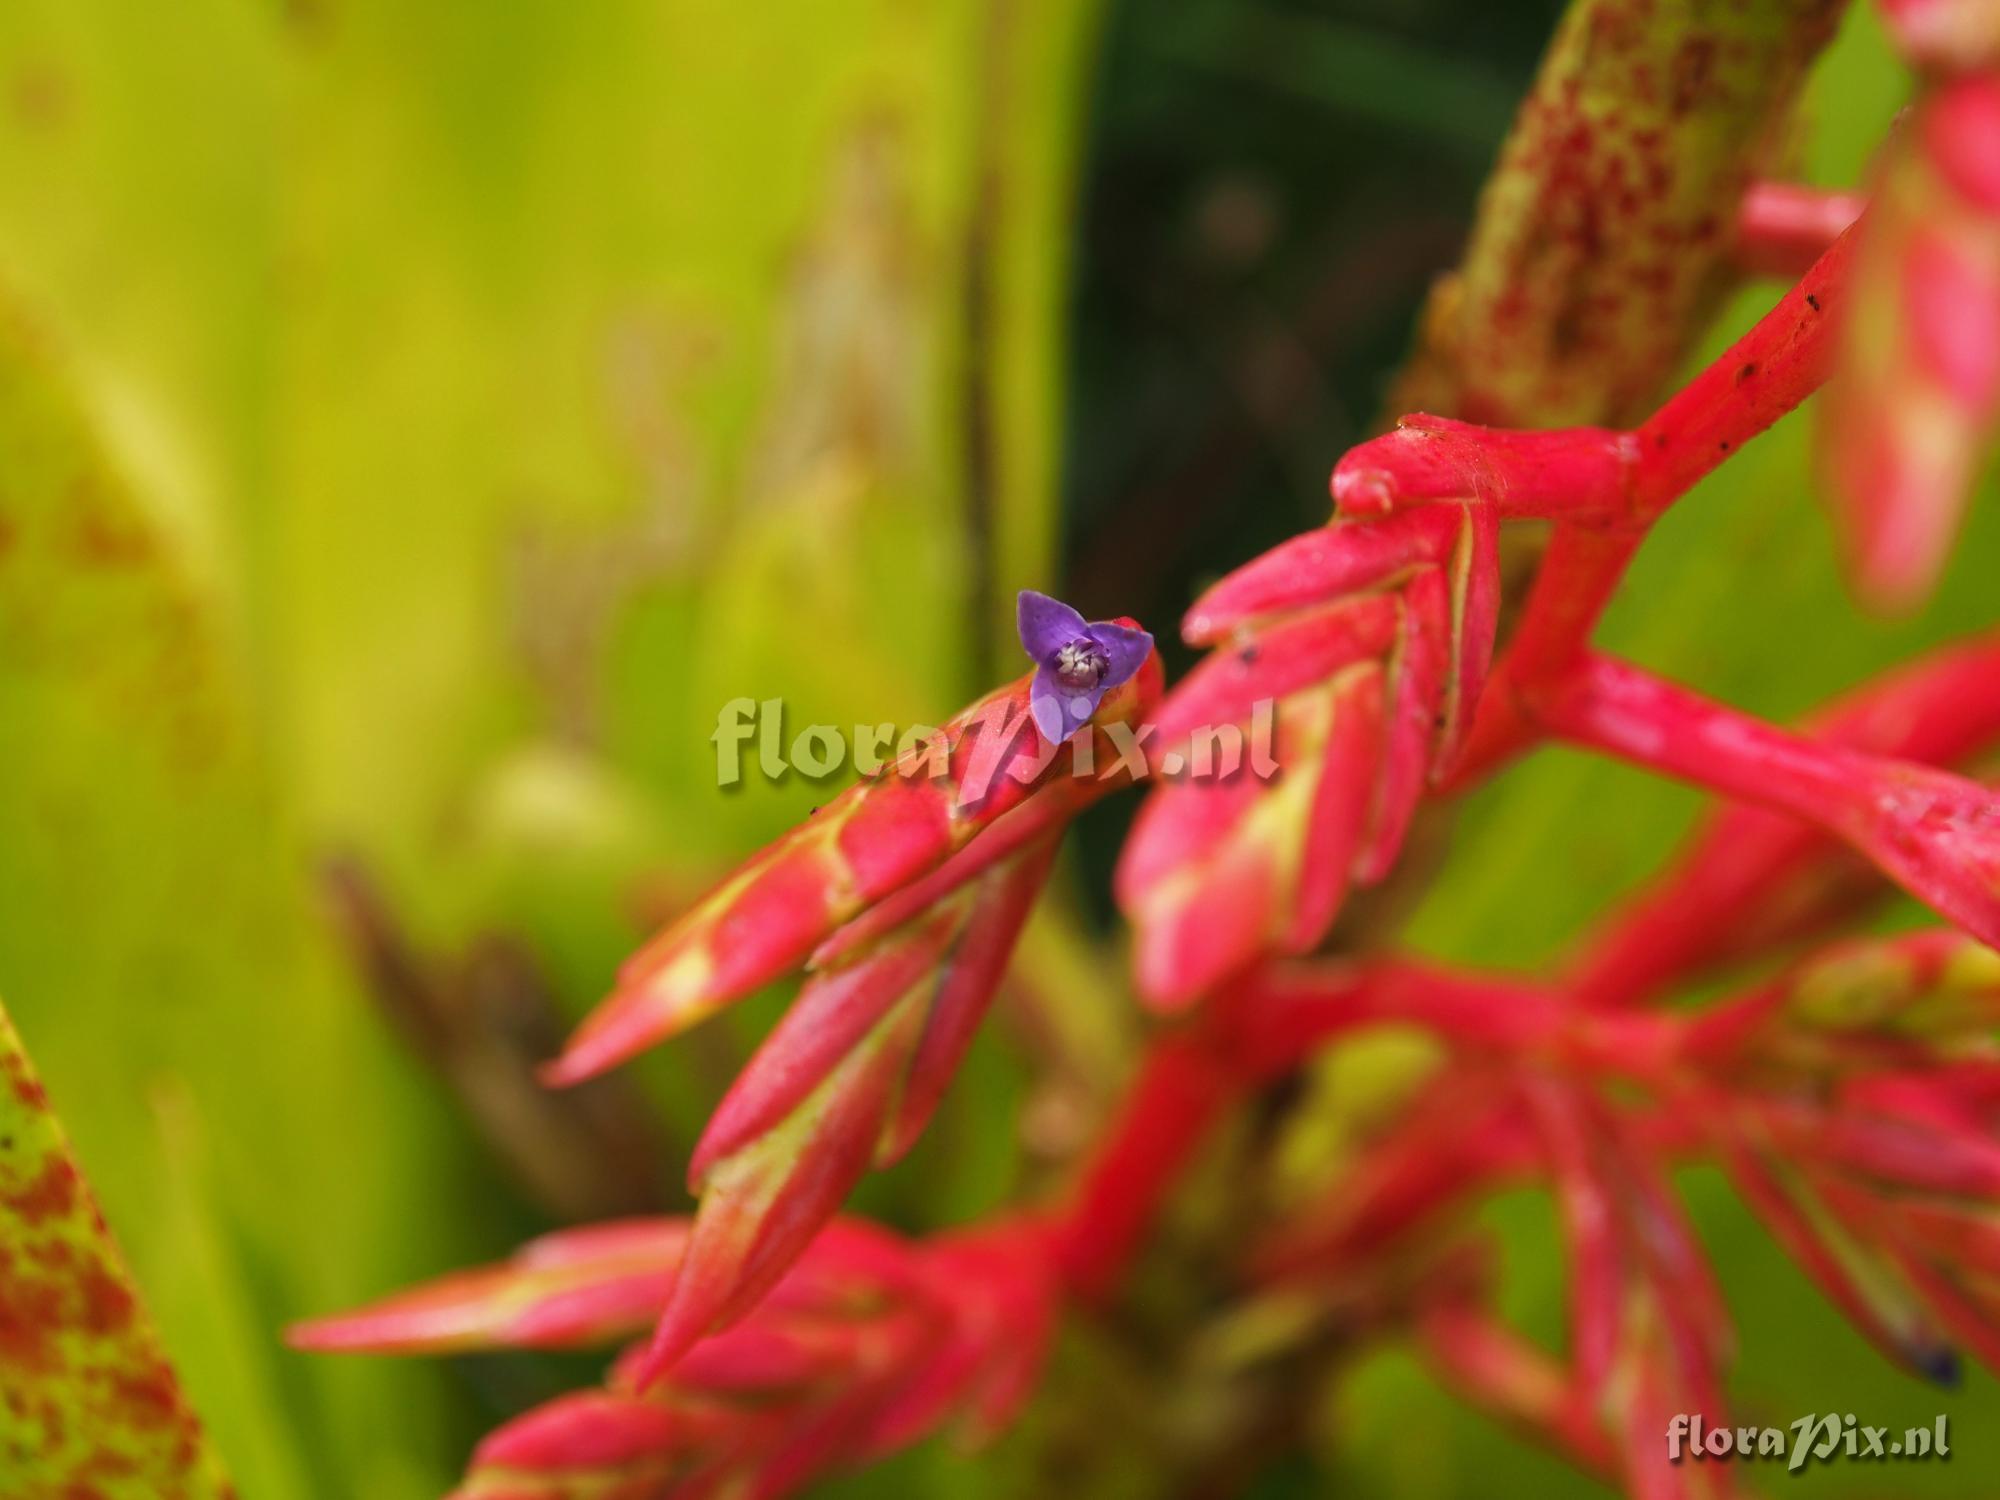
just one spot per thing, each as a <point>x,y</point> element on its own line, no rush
<point>1849,1086</point>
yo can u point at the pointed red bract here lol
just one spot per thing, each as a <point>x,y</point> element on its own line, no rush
<point>1648,1333</point>
<point>849,1078</point>
<point>576,1287</point>
<point>1317,566</point>
<point>1417,683</point>
<point>1217,872</point>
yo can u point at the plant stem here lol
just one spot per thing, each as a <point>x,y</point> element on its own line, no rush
<point>1604,237</point>
<point>1183,1088</point>
<point>1782,360</point>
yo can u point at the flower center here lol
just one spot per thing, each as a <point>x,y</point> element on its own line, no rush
<point>1081,665</point>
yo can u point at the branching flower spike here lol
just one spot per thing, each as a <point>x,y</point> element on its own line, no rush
<point>1733,1012</point>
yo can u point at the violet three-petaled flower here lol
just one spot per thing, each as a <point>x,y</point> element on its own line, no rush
<point>1076,661</point>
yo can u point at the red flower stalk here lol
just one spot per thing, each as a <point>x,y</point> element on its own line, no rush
<point>1371,638</point>
<point>1752,879</point>
<point>866,1345</point>
<point>1933,833</point>
<point>1488,1365</point>
<point>1603,489</point>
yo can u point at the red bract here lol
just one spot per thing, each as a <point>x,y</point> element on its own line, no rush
<point>848,1079</point>
<point>1366,647</point>
<point>578,1287</point>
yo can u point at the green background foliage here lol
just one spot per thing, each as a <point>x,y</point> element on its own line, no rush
<point>416,420</point>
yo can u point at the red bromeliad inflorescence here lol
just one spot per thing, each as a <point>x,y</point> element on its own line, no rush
<point>1853,1098</point>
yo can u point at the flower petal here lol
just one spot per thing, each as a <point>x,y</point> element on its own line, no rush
<point>1048,701</point>
<point>1126,647</point>
<point>1078,708</point>
<point>1046,626</point>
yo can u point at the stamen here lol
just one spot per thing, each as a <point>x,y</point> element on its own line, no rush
<point>1081,665</point>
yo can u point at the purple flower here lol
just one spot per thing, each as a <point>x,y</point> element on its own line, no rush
<point>1076,662</point>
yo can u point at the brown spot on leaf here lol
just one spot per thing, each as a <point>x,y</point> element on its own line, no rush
<point>30,1318</point>
<point>105,539</point>
<point>27,1088</point>
<point>52,1193</point>
<point>40,97</point>
<point>108,1303</point>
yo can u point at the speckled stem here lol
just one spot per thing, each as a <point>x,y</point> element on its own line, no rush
<point>1604,237</point>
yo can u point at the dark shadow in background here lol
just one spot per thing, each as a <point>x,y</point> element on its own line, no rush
<point>1268,190</point>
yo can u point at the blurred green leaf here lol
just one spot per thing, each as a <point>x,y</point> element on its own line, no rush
<point>415,423</point>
